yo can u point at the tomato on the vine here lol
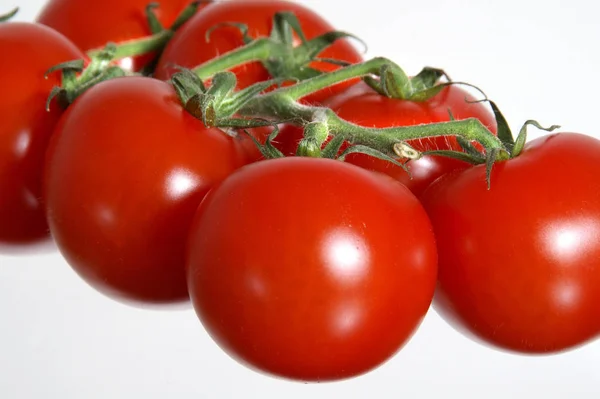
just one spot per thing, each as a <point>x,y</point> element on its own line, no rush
<point>25,126</point>
<point>309,268</point>
<point>189,47</point>
<point>519,264</point>
<point>126,169</point>
<point>362,105</point>
<point>92,24</point>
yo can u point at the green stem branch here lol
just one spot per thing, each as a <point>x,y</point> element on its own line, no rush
<point>306,87</point>
<point>278,105</point>
<point>258,50</point>
<point>138,47</point>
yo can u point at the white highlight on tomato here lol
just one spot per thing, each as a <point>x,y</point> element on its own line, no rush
<point>180,182</point>
<point>347,255</point>
<point>564,239</point>
<point>22,142</point>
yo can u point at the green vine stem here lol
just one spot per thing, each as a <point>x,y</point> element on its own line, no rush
<point>153,43</point>
<point>137,47</point>
<point>258,50</point>
<point>281,104</point>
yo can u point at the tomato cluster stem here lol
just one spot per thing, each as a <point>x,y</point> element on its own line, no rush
<point>281,104</point>
<point>138,47</point>
<point>257,50</point>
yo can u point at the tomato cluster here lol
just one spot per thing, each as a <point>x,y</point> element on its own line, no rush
<point>313,267</point>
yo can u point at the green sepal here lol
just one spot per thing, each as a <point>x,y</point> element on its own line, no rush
<point>6,17</point>
<point>311,49</point>
<point>153,21</point>
<point>75,65</point>
<point>504,133</point>
<point>461,156</point>
<point>187,13</point>
<point>362,149</point>
<point>194,96</point>
<point>489,164</point>
<point>522,137</point>
<point>268,150</point>
<point>427,78</point>
<point>243,28</point>
<point>332,148</point>
<point>374,84</point>
<point>468,147</point>
<point>393,82</point>
<point>187,84</point>
<point>222,86</point>
<point>60,96</point>
<point>72,87</point>
<point>285,24</point>
<point>426,94</point>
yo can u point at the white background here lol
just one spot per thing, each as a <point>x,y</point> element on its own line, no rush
<point>536,59</point>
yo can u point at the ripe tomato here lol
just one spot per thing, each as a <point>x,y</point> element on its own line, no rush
<point>328,271</point>
<point>25,126</point>
<point>362,105</point>
<point>126,169</point>
<point>189,48</point>
<point>92,24</point>
<point>523,274</point>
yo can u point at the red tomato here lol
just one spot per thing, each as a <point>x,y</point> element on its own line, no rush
<point>188,48</point>
<point>126,170</point>
<point>25,126</point>
<point>365,107</point>
<point>519,265</point>
<point>92,24</point>
<point>311,269</point>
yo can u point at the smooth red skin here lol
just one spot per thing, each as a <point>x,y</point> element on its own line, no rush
<point>25,126</point>
<point>92,24</point>
<point>519,265</point>
<point>275,291</point>
<point>189,48</point>
<point>363,106</point>
<point>112,171</point>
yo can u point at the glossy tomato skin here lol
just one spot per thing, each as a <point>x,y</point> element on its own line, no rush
<point>25,126</point>
<point>92,24</point>
<point>519,265</point>
<point>126,169</point>
<point>363,106</point>
<point>328,271</point>
<point>189,48</point>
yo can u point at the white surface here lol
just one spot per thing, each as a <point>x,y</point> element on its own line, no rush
<point>536,59</point>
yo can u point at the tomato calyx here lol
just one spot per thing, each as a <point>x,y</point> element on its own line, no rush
<point>9,15</point>
<point>281,56</point>
<point>157,29</point>
<point>154,43</point>
<point>510,147</point>
<point>221,106</point>
<point>393,82</point>
<point>216,105</point>
<point>153,22</point>
<point>77,77</point>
